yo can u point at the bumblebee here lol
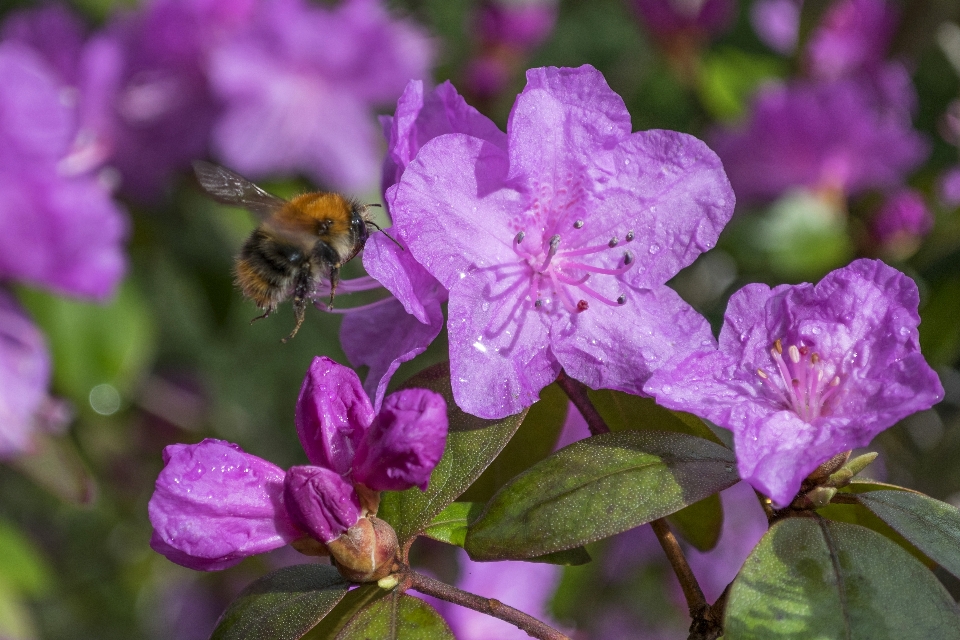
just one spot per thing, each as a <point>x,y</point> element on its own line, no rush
<point>297,243</point>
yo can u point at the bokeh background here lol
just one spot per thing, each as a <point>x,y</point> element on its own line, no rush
<point>121,330</point>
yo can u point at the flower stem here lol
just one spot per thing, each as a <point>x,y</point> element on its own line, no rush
<point>431,587</point>
<point>577,392</point>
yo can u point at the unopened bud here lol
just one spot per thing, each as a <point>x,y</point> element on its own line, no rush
<point>821,496</point>
<point>310,546</point>
<point>367,551</point>
<point>823,472</point>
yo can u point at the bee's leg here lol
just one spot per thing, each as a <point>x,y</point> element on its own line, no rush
<point>265,314</point>
<point>334,281</point>
<point>300,292</point>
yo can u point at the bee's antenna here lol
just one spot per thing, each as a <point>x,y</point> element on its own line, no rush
<point>379,228</point>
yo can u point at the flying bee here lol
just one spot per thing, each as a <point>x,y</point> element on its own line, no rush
<point>297,243</point>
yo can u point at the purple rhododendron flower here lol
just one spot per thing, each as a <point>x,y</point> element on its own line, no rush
<point>59,228</point>
<point>299,84</point>
<point>948,187</point>
<point>846,135</point>
<point>555,251</point>
<point>806,372</point>
<point>852,35</point>
<point>669,17</point>
<point>777,23</point>
<point>24,377</point>
<point>526,586</point>
<point>904,215</point>
<point>165,110</point>
<point>397,330</point>
<point>214,504</point>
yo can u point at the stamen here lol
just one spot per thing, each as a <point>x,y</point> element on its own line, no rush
<point>578,224</point>
<point>582,306</point>
<point>802,374</point>
<point>614,241</point>
<point>794,354</point>
<point>520,237</point>
<point>593,269</point>
<point>627,257</point>
<point>629,236</point>
<point>554,243</point>
<point>598,296</point>
<point>622,299</point>
<point>778,345</point>
<point>363,307</point>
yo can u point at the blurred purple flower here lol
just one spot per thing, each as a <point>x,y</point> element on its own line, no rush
<point>853,35</point>
<point>744,523</point>
<point>667,18</point>
<point>384,336</point>
<point>527,586</point>
<point>59,228</point>
<point>808,371</point>
<point>165,110</point>
<point>24,378</point>
<point>846,135</point>
<point>555,251</point>
<point>299,85</point>
<point>904,216</point>
<point>948,187</point>
<point>777,23</point>
<point>214,504</point>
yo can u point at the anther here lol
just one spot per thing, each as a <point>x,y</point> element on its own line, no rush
<point>815,358</point>
<point>578,224</point>
<point>622,299</point>
<point>614,241</point>
<point>629,236</point>
<point>794,354</point>
<point>538,304</point>
<point>762,373</point>
<point>778,346</point>
<point>583,305</point>
<point>554,243</point>
<point>627,257</point>
<point>520,237</point>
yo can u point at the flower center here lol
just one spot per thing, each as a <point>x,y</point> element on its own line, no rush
<point>557,266</point>
<point>805,388</point>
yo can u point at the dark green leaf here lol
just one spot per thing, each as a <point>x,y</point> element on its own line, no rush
<point>700,523</point>
<point>813,578</point>
<point>866,486</point>
<point>472,444</point>
<point>598,487</point>
<point>622,411</point>
<point>451,525</point>
<point>341,615</point>
<point>22,567</point>
<point>566,558</point>
<point>397,617</point>
<point>282,605</point>
<point>532,442</point>
<point>859,514</point>
<point>933,526</point>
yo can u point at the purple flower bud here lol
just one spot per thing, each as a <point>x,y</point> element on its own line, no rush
<point>404,443</point>
<point>523,25</point>
<point>903,217</point>
<point>333,414</point>
<point>320,501</point>
<point>214,505</point>
<point>948,187</point>
<point>670,17</point>
<point>777,23</point>
<point>853,35</point>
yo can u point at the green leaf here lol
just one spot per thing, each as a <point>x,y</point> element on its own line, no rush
<point>728,77</point>
<point>931,525</point>
<point>341,615</point>
<point>397,617</point>
<point>451,527</point>
<point>866,486</point>
<point>812,578</point>
<point>472,444</point>
<point>700,523</point>
<point>532,442</point>
<point>95,344</point>
<point>623,411</point>
<point>282,605</point>
<point>22,568</point>
<point>596,488</point>
<point>859,514</point>
<point>16,621</point>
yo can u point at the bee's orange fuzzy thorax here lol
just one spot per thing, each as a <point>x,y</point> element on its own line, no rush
<point>324,214</point>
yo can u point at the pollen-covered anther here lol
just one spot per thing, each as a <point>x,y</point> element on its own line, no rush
<point>630,236</point>
<point>622,299</point>
<point>519,237</point>
<point>802,376</point>
<point>578,224</point>
<point>614,241</point>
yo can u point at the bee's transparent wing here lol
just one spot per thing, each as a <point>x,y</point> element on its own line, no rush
<point>227,187</point>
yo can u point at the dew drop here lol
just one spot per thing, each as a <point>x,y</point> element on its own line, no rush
<point>654,249</point>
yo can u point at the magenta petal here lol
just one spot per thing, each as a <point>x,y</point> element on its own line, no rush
<point>383,338</point>
<point>333,413</point>
<point>499,355</point>
<point>404,443</point>
<point>321,501</point>
<point>404,277</point>
<point>25,374</point>
<point>186,560</point>
<point>215,504</point>
<point>620,347</point>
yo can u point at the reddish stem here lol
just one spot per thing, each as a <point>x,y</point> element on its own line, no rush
<point>577,392</point>
<point>489,606</point>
